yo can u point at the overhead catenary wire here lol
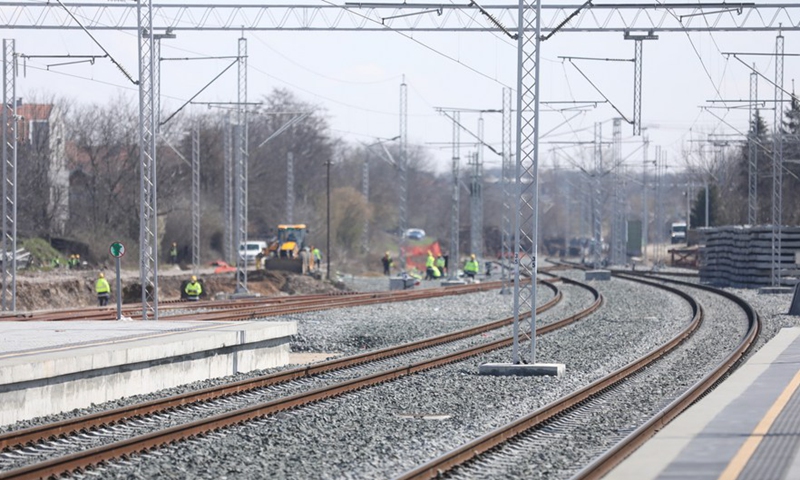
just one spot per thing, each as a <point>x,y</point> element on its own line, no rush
<point>110,57</point>
<point>600,92</point>
<point>422,44</point>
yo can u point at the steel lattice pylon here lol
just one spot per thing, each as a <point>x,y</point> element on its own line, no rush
<point>290,187</point>
<point>240,156</point>
<point>476,197</point>
<point>196,198</point>
<point>508,200</point>
<point>365,193</point>
<point>403,164</point>
<point>227,206</point>
<point>659,214</point>
<point>752,154</point>
<point>148,128</point>
<point>475,203</point>
<point>618,223</point>
<point>777,165</point>
<point>453,257</point>
<point>637,87</point>
<point>645,213</point>
<point>597,219</point>
<point>9,294</point>
<point>526,213</point>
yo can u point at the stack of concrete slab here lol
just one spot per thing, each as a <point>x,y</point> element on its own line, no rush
<point>741,256</point>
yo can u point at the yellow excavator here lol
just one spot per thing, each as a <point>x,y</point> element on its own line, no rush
<point>285,253</point>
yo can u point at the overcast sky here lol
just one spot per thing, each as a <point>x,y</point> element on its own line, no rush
<point>354,77</point>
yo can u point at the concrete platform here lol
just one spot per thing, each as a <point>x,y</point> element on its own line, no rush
<point>51,367</point>
<point>747,429</point>
<point>521,369</point>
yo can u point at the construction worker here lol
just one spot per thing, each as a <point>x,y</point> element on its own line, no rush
<point>78,261</point>
<point>103,290</point>
<point>193,289</point>
<point>71,262</point>
<point>387,262</point>
<point>317,256</point>
<point>471,268</point>
<point>429,264</point>
<point>56,262</point>
<point>436,272</point>
<point>440,264</point>
<point>173,253</point>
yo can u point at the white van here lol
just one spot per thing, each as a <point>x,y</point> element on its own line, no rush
<point>250,250</point>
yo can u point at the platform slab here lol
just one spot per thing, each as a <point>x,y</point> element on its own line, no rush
<point>51,367</point>
<point>534,369</point>
<point>704,440</point>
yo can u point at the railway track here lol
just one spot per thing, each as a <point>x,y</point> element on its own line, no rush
<point>475,451</point>
<point>25,439</point>
<point>248,309</point>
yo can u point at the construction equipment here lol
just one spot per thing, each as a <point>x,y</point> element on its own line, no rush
<point>290,253</point>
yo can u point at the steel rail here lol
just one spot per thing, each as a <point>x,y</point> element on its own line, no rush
<point>32,435</point>
<point>499,436</point>
<point>603,464</point>
<point>262,306</point>
<point>97,455</point>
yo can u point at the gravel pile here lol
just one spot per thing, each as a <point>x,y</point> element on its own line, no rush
<point>381,432</point>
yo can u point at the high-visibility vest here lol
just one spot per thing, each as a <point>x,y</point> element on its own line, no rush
<point>194,289</point>
<point>436,272</point>
<point>102,286</point>
<point>440,262</point>
<point>429,261</point>
<point>471,266</point>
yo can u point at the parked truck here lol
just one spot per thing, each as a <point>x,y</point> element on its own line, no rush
<point>677,232</point>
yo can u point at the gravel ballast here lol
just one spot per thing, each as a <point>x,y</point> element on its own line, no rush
<point>378,433</point>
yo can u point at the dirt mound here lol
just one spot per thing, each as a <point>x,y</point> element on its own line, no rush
<point>46,291</point>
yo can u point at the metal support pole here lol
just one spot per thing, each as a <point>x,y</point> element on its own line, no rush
<point>328,206</point>
<point>148,128</point>
<point>706,185</point>
<point>618,255</point>
<point>752,154</point>
<point>475,199</point>
<point>596,196</point>
<point>365,193</point>
<point>240,179</point>
<point>290,187</point>
<point>645,213</point>
<point>403,210</point>
<point>229,246</point>
<point>637,87</point>
<point>453,258</point>
<point>196,199</point>
<point>507,171</point>
<point>527,171</point>
<point>477,220</point>
<point>9,297</point>
<point>777,165</point>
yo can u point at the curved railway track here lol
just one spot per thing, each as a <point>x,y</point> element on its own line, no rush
<point>85,459</point>
<point>473,451</point>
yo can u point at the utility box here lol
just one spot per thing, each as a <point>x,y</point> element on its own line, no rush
<point>402,283</point>
<point>797,258</point>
